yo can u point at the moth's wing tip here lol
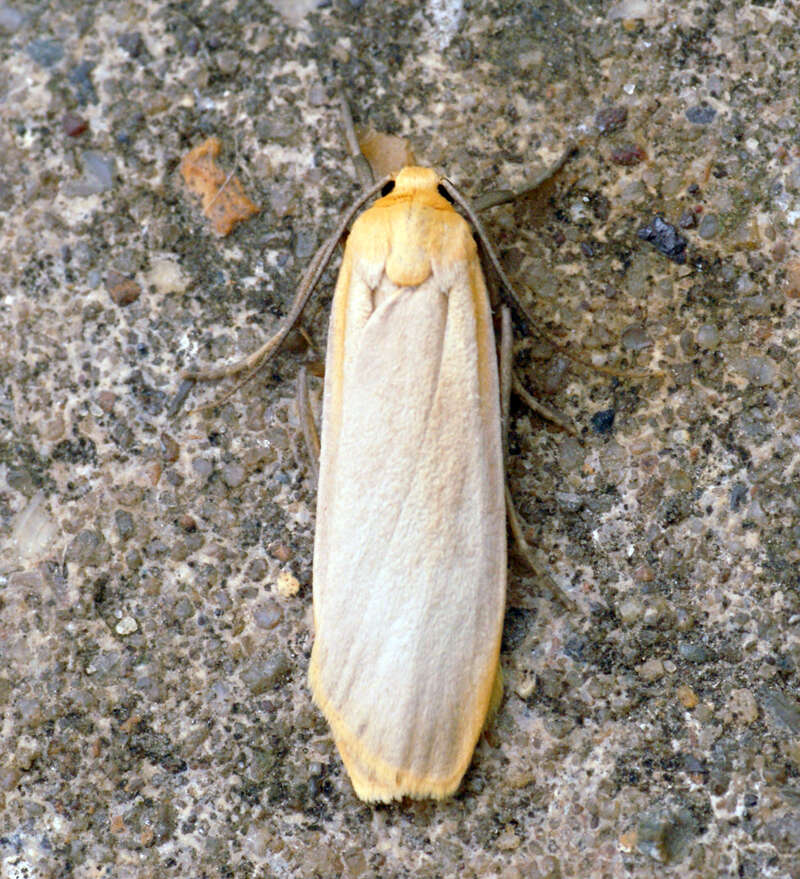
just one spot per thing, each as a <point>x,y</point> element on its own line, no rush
<point>373,780</point>
<point>373,786</point>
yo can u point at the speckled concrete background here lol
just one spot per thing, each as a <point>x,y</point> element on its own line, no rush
<point>155,717</point>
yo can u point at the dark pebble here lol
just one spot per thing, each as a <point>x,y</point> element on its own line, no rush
<point>132,43</point>
<point>665,834</point>
<point>701,114</point>
<point>170,450</point>
<point>629,154</point>
<point>263,674</point>
<point>687,220</point>
<point>80,77</point>
<point>45,52</point>
<point>665,238</point>
<point>603,422</point>
<point>782,709</point>
<point>187,523</point>
<point>610,119</point>
<point>738,495</point>
<point>87,548</point>
<point>693,652</point>
<point>123,291</point>
<point>73,125</point>
<point>124,522</point>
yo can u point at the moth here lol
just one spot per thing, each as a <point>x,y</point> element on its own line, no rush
<point>410,544</point>
<point>409,576</point>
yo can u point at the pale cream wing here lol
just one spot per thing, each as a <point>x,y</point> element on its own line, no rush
<point>410,550</point>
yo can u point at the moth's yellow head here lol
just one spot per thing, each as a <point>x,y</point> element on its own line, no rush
<point>420,185</point>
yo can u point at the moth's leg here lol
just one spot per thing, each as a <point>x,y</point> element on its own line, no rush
<point>522,544</point>
<point>553,415</point>
<point>488,255</point>
<point>308,282</point>
<point>505,354</point>
<point>509,382</point>
<point>254,361</point>
<point>307,423</point>
<point>504,196</point>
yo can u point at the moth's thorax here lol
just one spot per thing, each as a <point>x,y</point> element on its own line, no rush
<point>413,230</point>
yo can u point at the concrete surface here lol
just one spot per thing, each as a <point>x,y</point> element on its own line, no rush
<point>155,619</point>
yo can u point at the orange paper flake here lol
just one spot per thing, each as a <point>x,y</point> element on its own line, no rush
<point>224,201</point>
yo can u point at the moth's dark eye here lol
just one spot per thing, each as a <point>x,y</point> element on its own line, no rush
<point>444,193</point>
<point>388,188</point>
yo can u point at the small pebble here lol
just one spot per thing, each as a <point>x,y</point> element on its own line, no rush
<point>792,287</point>
<point>687,696</point>
<point>123,291</point>
<point>317,95</point>
<point>233,475</point>
<point>281,552</point>
<point>132,42</point>
<point>227,61</point>
<point>126,626</point>
<point>783,709</point>
<point>665,238</point>
<point>569,501</point>
<point>46,53</point>
<point>183,609</point>
<point>651,670</point>
<point>263,674</point>
<point>630,610</point>
<point>73,124</point>
<point>267,615</point>
<point>603,422</point>
<point>634,338</point>
<point>627,155</point>
<point>632,192</point>
<point>709,226</point>
<point>81,77</point>
<point>170,450</point>
<point>305,245</point>
<point>88,548</point>
<point>11,20</point>
<point>570,453</point>
<point>125,525</point>
<point>202,467</point>
<point>610,119</point>
<point>100,168</point>
<point>701,114</point>
<point>695,653</point>
<point>287,584</point>
<point>743,707</point>
<point>187,523</point>
<point>761,371</point>
<point>707,336</point>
